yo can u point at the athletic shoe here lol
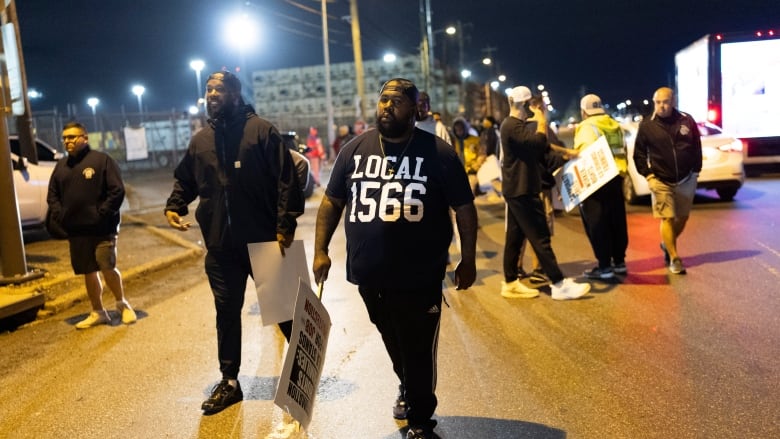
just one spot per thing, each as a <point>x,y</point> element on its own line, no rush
<point>567,289</point>
<point>521,274</point>
<point>93,319</point>
<point>538,277</point>
<point>222,396</point>
<point>676,267</point>
<point>516,290</point>
<point>599,273</point>
<point>419,433</point>
<point>422,431</point>
<point>400,408</point>
<point>667,258</point>
<point>620,268</point>
<point>128,315</point>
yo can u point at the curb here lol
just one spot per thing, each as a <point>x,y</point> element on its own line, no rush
<point>69,298</point>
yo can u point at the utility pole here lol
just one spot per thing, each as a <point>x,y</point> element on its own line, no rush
<point>21,104</point>
<point>12,255</point>
<point>461,98</point>
<point>358,54</point>
<point>425,52</point>
<point>328,92</point>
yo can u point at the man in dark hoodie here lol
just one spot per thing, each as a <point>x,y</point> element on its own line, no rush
<point>243,174</point>
<point>85,194</point>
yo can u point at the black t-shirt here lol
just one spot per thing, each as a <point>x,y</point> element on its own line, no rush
<point>397,213</point>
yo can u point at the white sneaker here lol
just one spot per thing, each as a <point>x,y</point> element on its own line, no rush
<point>93,319</point>
<point>128,315</point>
<point>516,290</point>
<point>567,289</point>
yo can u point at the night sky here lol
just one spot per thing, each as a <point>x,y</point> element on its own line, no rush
<point>619,50</point>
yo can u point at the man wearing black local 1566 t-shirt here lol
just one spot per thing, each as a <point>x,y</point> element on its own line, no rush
<point>397,184</point>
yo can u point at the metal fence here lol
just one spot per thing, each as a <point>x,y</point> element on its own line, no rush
<point>167,135</point>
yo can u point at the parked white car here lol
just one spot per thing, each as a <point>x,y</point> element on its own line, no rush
<point>721,170</point>
<point>47,154</point>
<point>32,184</point>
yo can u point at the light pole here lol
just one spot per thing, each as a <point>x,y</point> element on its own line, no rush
<point>197,65</point>
<point>93,102</point>
<point>449,30</point>
<point>138,91</point>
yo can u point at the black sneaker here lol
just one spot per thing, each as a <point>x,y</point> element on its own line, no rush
<point>400,408</point>
<point>222,396</point>
<point>599,273</point>
<point>422,432</point>
<point>538,277</point>
<point>620,268</point>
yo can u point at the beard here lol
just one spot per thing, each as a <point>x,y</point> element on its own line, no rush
<point>221,109</point>
<point>390,127</point>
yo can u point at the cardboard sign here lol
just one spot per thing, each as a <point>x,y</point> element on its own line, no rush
<point>276,278</point>
<point>305,357</point>
<point>593,168</point>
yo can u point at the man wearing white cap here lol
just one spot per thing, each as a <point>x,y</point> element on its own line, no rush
<point>522,150</point>
<point>604,212</point>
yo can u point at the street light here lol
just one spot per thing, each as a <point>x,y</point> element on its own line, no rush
<point>138,91</point>
<point>197,65</point>
<point>93,102</point>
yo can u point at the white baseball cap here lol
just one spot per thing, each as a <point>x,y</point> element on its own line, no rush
<point>520,94</point>
<point>591,105</point>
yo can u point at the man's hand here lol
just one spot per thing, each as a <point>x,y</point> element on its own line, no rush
<point>465,275</point>
<point>285,241</point>
<point>175,221</point>
<point>571,154</point>
<point>321,267</point>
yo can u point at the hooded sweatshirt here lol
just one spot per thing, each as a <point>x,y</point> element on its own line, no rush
<point>593,127</point>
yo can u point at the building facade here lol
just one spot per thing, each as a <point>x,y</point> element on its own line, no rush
<point>294,98</point>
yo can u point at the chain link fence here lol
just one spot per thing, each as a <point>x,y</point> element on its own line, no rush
<point>167,135</point>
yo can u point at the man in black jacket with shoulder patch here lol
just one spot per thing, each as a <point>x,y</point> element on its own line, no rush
<point>667,153</point>
<point>85,194</point>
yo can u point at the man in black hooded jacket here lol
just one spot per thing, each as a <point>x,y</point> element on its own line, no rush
<point>243,174</point>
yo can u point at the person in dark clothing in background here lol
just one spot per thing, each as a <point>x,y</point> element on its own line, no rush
<point>550,162</point>
<point>603,213</point>
<point>522,151</point>
<point>85,194</point>
<point>397,254</point>
<point>488,137</point>
<point>242,172</point>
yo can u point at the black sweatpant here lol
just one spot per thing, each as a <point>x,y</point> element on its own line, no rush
<point>228,271</point>
<point>409,324</point>
<point>525,219</point>
<point>604,217</point>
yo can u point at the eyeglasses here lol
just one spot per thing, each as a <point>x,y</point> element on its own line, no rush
<point>71,138</point>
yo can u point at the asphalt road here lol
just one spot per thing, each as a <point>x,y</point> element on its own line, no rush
<point>652,356</point>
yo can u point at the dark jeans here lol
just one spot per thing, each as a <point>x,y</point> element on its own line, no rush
<point>228,271</point>
<point>604,217</point>
<point>525,219</point>
<point>409,324</point>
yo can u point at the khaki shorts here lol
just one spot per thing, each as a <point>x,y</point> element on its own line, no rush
<point>89,254</point>
<point>673,200</point>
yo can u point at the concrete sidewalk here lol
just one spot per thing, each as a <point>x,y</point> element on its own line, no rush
<point>143,248</point>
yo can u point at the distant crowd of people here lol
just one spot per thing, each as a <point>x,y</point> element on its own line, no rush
<point>402,188</point>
